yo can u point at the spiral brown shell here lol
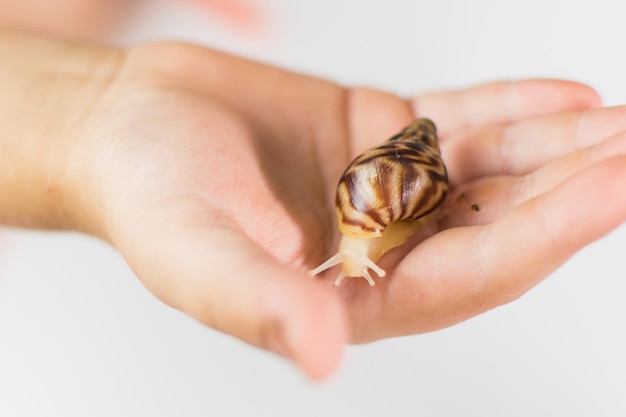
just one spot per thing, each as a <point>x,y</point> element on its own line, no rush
<point>404,178</point>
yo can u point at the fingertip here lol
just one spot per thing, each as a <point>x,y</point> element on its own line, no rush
<point>581,95</point>
<point>324,344</point>
<point>536,97</point>
<point>594,98</point>
<point>313,327</point>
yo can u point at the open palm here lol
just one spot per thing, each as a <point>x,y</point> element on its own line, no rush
<point>215,178</point>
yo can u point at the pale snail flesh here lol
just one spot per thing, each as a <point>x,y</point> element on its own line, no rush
<point>385,196</point>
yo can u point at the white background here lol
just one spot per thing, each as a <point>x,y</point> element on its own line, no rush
<point>80,336</point>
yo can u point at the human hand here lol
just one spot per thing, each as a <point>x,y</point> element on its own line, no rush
<point>214,177</point>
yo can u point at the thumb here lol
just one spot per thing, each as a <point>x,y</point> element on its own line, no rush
<point>225,281</point>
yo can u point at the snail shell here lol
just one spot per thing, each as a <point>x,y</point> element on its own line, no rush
<point>384,196</point>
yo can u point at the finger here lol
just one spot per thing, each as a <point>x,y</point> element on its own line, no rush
<point>527,145</point>
<point>487,199</point>
<point>462,272</point>
<point>502,102</point>
<point>551,228</point>
<point>373,117</point>
<point>223,280</point>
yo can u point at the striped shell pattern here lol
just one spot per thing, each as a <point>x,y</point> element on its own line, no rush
<point>404,178</point>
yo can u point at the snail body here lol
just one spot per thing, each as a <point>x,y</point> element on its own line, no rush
<point>384,196</point>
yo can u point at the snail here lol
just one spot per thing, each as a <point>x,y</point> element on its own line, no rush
<point>385,196</point>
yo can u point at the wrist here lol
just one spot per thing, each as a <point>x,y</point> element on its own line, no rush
<point>48,89</point>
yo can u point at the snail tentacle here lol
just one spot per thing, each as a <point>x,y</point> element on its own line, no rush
<point>336,259</point>
<point>356,256</point>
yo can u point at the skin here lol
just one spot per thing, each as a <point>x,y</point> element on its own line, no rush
<point>214,177</point>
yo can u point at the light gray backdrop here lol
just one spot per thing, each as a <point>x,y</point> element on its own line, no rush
<point>79,336</point>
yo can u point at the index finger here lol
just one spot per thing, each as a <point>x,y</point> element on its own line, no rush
<point>502,102</point>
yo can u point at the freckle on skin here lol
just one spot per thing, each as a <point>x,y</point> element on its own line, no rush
<point>475,207</point>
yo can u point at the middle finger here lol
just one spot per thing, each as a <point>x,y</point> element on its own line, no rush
<point>522,147</point>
